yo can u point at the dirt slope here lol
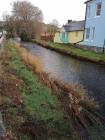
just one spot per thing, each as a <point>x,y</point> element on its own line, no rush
<point>9,92</point>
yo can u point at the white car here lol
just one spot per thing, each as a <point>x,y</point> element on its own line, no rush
<point>18,39</point>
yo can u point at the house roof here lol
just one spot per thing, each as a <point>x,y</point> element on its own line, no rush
<point>88,1</point>
<point>74,26</point>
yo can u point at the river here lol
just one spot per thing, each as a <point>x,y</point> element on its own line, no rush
<point>91,76</point>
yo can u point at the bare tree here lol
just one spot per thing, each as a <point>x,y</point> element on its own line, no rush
<point>53,27</point>
<point>9,24</point>
<point>26,20</point>
<point>55,23</point>
<point>26,11</point>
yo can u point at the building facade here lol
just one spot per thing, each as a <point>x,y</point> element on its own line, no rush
<point>57,37</point>
<point>72,32</point>
<point>94,35</point>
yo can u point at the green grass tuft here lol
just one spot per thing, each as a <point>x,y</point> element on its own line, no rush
<point>74,51</point>
<point>38,99</point>
<point>40,103</point>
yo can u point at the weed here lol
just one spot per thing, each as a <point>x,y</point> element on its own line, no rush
<point>78,104</point>
<point>41,103</point>
<point>73,51</point>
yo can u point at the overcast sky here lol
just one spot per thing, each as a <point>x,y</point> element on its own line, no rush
<point>62,10</point>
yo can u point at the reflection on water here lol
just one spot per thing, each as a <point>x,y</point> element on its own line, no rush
<point>91,76</point>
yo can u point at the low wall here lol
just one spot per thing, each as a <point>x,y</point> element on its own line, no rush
<point>65,52</point>
<point>91,48</point>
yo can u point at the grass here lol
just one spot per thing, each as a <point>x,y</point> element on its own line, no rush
<point>39,99</point>
<point>25,137</point>
<point>74,51</point>
<point>76,100</point>
<point>40,104</point>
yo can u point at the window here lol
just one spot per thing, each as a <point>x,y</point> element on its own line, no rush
<point>88,11</point>
<point>87,33</point>
<point>98,9</point>
<point>93,33</point>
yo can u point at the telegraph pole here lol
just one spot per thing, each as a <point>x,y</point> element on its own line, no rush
<point>104,47</point>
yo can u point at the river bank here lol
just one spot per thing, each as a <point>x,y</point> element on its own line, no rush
<point>75,52</point>
<point>35,107</point>
<point>30,110</point>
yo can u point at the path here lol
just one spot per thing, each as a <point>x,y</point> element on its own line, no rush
<point>2,127</point>
<point>9,96</point>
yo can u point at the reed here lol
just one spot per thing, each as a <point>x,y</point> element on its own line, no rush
<point>29,59</point>
<point>74,100</point>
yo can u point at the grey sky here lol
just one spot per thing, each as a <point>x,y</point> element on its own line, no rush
<point>62,10</point>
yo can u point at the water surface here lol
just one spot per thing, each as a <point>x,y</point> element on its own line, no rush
<point>91,76</point>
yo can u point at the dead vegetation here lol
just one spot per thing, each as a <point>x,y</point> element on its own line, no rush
<point>29,59</point>
<point>75,103</point>
<point>9,93</point>
<point>81,108</point>
<point>9,83</point>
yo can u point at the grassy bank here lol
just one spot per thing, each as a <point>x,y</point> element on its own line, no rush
<point>36,112</point>
<point>36,108</point>
<point>74,51</point>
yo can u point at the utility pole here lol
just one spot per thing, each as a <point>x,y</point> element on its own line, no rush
<point>104,47</point>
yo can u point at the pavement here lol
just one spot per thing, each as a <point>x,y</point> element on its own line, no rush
<point>2,127</point>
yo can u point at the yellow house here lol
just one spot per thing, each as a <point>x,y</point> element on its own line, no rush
<point>57,37</point>
<point>75,36</point>
<point>72,32</point>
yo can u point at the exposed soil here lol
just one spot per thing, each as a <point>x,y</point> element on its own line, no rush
<point>9,90</point>
<point>12,107</point>
<point>9,82</point>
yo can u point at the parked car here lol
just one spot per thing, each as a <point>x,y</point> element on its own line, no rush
<point>18,39</point>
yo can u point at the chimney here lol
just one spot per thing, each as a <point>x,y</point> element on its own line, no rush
<point>69,21</point>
